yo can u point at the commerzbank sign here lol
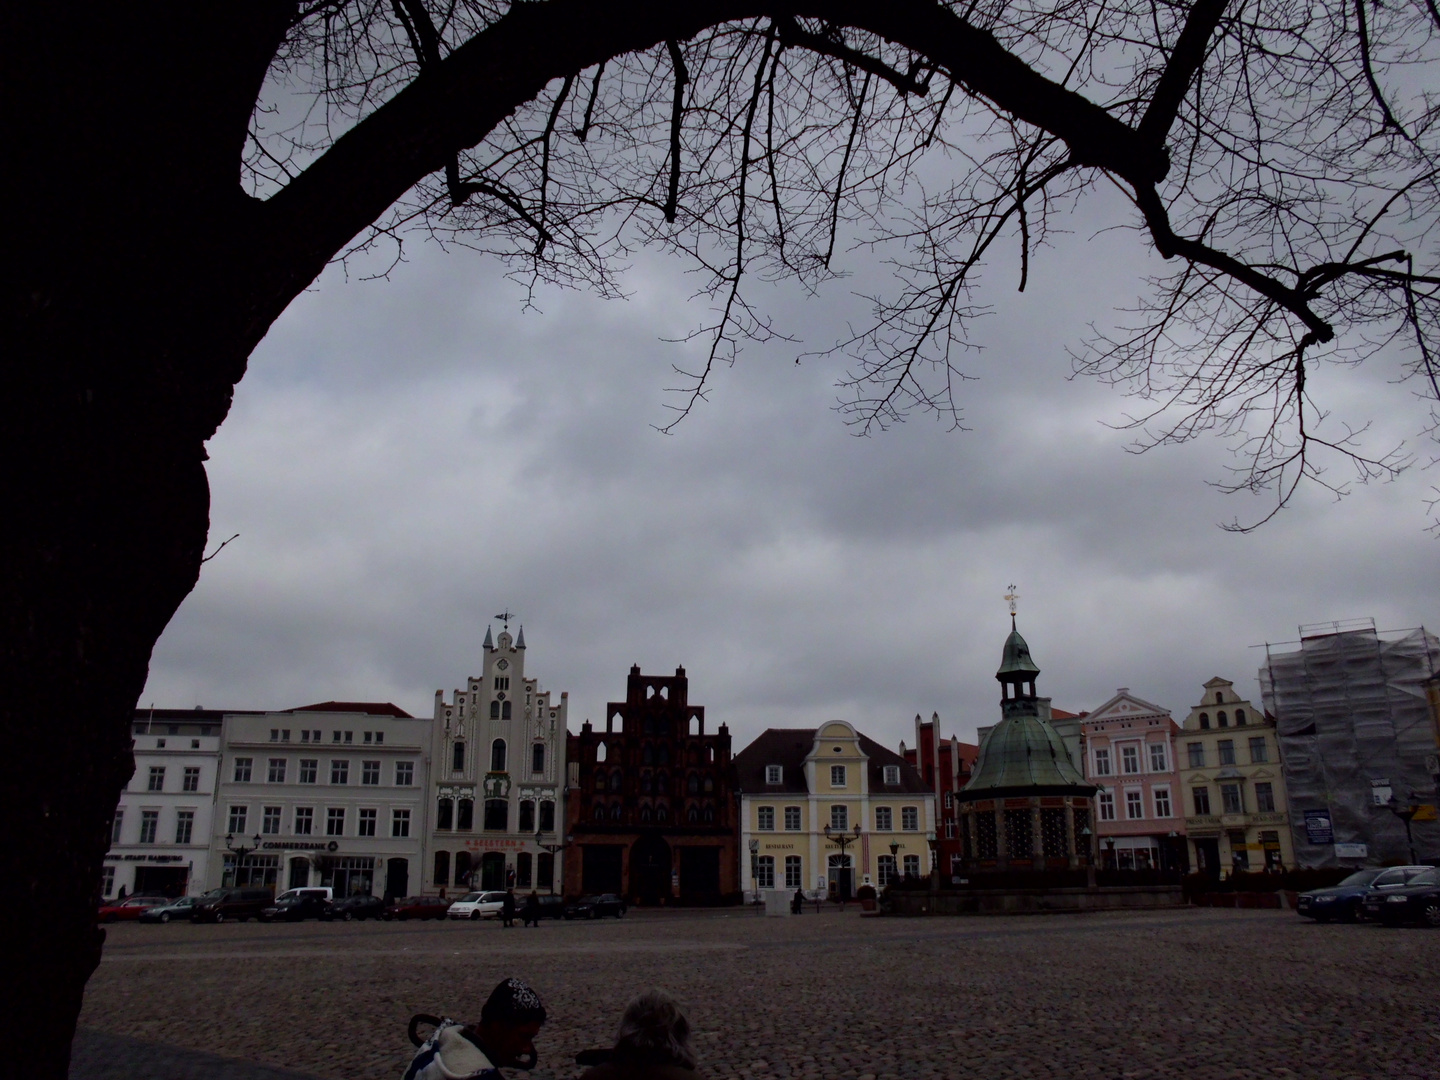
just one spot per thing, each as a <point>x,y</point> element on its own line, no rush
<point>301,845</point>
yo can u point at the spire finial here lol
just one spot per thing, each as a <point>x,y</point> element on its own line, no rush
<point>1011,596</point>
<point>506,615</point>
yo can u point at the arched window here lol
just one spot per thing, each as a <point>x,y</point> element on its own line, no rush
<point>662,784</point>
<point>465,815</point>
<point>709,784</point>
<point>445,817</point>
<point>599,814</point>
<point>497,815</point>
<point>442,867</point>
<point>505,710</point>
<point>710,753</point>
<point>600,752</point>
<point>662,815</point>
<point>615,780</point>
<point>1239,717</point>
<point>494,710</point>
<point>457,757</point>
<point>709,815</point>
<point>645,814</point>
<point>462,869</point>
<point>694,725</point>
<point>692,785</point>
<point>647,783</point>
<point>1204,721</point>
<point>692,815</point>
<point>664,754</point>
<point>527,816</point>
<point>599,781</point>
<point>1221,719</point>
<point>1219,697</point>
<point>497,756</point>
<point>615,812</point>
<point>547,816</point>
<point>647,755</point>
<point>537,758</point>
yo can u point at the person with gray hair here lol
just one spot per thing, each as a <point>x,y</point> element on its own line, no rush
<point>653,1043</point>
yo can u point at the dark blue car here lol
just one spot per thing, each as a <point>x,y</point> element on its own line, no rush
<point>1346,901</point>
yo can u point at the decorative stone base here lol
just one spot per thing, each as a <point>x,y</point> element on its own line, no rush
<point>1034,901</point>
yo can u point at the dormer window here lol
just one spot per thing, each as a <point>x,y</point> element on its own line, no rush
<point>892,774</point>
<point>773,774</point>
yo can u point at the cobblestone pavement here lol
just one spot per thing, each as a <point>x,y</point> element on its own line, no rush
<point>1199,993</point>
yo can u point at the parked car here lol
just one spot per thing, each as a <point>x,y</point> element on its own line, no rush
<point>417,907</point>
<point>360,906</point>
<point>322,891</point>
<point>130,908</point>
<point>1340,901</point>
<point>295,906</point>
<point>551,907</point>
<point>1418,900</point>
<point>593,907</point>
<point>239,904</point>
<point>170,909</point>
<point>477,905</point>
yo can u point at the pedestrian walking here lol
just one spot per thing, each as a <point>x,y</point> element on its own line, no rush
<point>530,913</point>
<point>507,909</point>
<point>653,1043</point>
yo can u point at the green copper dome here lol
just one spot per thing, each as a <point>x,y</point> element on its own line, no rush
<point>1016,659</point>
<point>1024,755</point>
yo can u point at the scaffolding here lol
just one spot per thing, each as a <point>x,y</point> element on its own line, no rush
<point>1356,720</point>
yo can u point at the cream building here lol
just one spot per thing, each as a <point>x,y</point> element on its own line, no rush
<point>499,765</point>
<point>1236,812</point>
<point>795,782</point>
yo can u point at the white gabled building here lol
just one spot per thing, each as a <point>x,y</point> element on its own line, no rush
<point>330,794</point>
<point>160,835</point>
<point>499,768</point>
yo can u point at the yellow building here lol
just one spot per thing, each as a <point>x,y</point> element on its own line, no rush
<point>1236,811</point>
<point>794,783</point>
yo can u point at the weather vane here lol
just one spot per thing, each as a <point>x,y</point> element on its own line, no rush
<point>1012,596</point>
<point>506,615</point>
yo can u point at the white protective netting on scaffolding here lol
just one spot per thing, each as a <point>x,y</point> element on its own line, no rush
<point>1353,719</point>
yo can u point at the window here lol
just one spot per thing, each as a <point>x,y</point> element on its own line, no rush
<point>1230,798</point>
<point>1259,752</point>
<point>1102,761</point>
<point>304,820</point>
<point>442,868</point>
<point>404,773</point>
<point>885,866</point>
<point>339,771</point>
<point>792,819</point>
<point>236,823</point>
<point>494,710</point>
<point>527,816</point>
<point>379,737</point>
<point>157,778</point>
<point>270,820</point>
<point>505,710</point>
<point>1157,758</point>
<point>274,734</point>
<point>884,820</point>
<point>335,821</point>
<point>765,872</point>
<point>1107,806</point>
<point>1134,805</point>
<point>774,774</point>
<point>370,772</point>
<point>912,865</point>
<point>445,814</point>
<point>765,819</point>
<point>502,682</point>
<point>242,769</point>
<point>308,769</point>
<point>949,830</point>
<point>1197,754</point>
<point>276,773</point>
<point>107,881</point>
<point>837,775</point>
<point>1239,717</point>
<point>949,800</point>
<point>840,817</point>
<point>1227,751</point>
<point>191,780</point>
<point>457,757</point>
<point>537,758</point>
<point>1200,796</point>
<point>1162,802</point>
<point>1221,720</point>
<point>497,756</point>
<point>792,872</point>
<point>1130,759</point>
<point>523,862</point>
<point>892,774</point>
<point>366,826</point>
<point>1264,797</point>
<point>305,736</point>
<point>910,818</point>
<point>115,823</point>
<point>349,736</point>
<point>1204,721</point>
<point>465,814</point>
<point>149,822</point>
<point>547,815</point>
<point>160,744</point>
<point>369,736</point>
<point>497,815</point>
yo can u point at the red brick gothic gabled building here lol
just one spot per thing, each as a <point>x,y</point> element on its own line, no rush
<point>944,765</point>
<point>650,806</point>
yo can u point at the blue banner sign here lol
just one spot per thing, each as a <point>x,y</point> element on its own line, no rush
<point>1318,829</point>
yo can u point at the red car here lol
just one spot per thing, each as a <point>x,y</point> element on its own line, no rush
<point>417,907</point>
<point>129,908</point>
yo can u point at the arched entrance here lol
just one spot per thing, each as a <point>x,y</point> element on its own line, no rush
<point>650,869</point>
<point>492,870</point>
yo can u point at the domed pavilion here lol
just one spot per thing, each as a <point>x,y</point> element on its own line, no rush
<point>1027,806</point>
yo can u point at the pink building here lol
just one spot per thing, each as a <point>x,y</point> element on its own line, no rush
<point>1128,747</point>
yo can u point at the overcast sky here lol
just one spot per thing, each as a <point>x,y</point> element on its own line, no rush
<point>407,458</point>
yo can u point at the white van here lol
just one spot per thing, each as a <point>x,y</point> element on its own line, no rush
<point>477,905</point>
<point>324,892</point>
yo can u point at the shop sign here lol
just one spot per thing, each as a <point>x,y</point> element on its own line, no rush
<point>496,845</point>
<point>146,858</point>
<point>1425,812</point>
<point>301,845</point>
<point>1352,851</point>
<point>1318,828</point>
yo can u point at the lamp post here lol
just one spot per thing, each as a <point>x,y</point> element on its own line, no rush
<point>552,849</point>
<point>931,839</point>
<point>1082,837</point>
<point>840,837</point>
<point>894,860</point>
<point>755,871</point>
<point>1405,813</point>
<point>240,852</point>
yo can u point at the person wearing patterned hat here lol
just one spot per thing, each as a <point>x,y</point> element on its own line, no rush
<point>504,1038</point>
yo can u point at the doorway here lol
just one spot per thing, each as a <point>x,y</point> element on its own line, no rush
<point>299,873</point>
<point>397,878</point>
<point>841,877</point>
<point>600,868</point>
<point>650,869</point>
<point>1207,857</point>
<point>492,870</point>
<point>700,874</point>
